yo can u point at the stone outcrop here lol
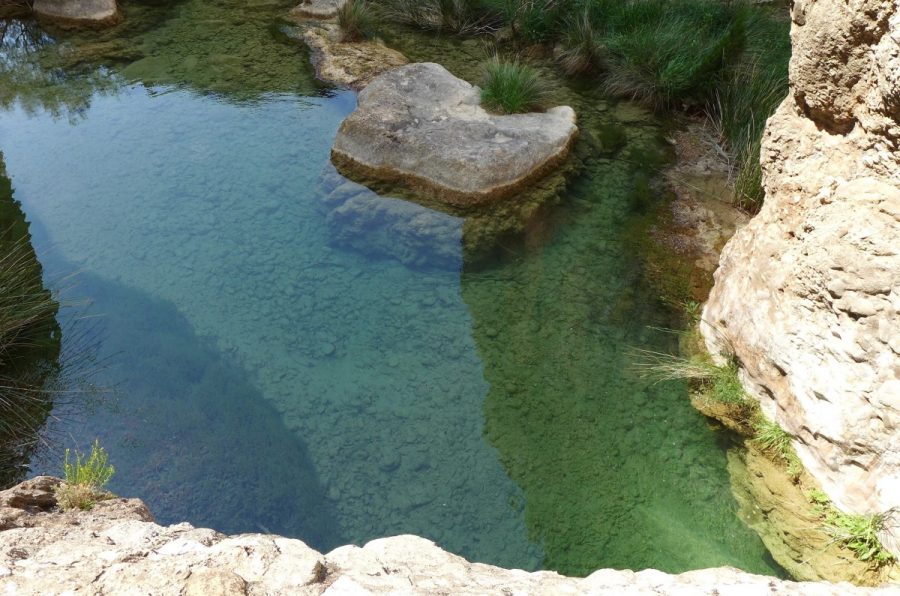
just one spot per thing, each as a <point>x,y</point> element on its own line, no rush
<point>346,64</point>
<point>807,295</point>
<point>78,12</point>
<point>116,548</point>
<point>422,128</point>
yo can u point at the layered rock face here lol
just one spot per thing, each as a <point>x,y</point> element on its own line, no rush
<point>116,548</point>
<point>807,295</point>
<point>422,128</point>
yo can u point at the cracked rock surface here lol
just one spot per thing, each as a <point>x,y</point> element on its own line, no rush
<point>116,548</point>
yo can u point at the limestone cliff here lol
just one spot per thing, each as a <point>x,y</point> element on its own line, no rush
<point>116,548</point>
<point>806,296</point>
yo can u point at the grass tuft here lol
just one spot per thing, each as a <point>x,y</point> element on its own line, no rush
<point>582,45</point>
<point>510,87</point>
<point>356,20</point>
<point>718,383</point>
<point>85,478</point>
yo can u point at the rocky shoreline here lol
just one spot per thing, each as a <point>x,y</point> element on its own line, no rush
<point>116,548</point>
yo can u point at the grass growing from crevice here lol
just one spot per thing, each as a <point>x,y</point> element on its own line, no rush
<point>356,20</point>
<point>857,533</point>
<point>85,477</point>
<point>718,383</point>
<point>510,87</point>
<point>776,441</point>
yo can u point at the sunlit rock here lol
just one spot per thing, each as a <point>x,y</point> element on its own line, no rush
<point>422,128</point>
<point>807,295</point>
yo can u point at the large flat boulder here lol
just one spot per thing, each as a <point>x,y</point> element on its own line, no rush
<point>422,128</point>
<point>101,12</point>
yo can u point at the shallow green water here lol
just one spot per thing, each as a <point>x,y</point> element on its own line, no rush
<point>291,353</point>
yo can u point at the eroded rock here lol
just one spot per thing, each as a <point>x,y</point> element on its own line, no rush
<point>420,127</point>
<point>347,64</point>
<point>112,550</point>
<point>807,295</point>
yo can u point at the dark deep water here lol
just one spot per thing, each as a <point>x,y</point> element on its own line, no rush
<point>288,352</point>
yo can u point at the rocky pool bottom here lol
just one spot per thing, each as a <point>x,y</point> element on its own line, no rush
<point>292,353</point>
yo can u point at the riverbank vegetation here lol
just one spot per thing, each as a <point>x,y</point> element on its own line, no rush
<point>724,61</point>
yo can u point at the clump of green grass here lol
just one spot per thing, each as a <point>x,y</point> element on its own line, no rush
<point>510,87</point>
<point>719,383</point>
<point>665,52</point>
<point>85,478</point>
<point>858,533</point>
<point>747,93</point>
<point>356,20</point>
<point>770,437</point>
<point>460,17</point>
<point>582,45</point>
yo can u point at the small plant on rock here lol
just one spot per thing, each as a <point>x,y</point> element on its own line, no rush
<point>859,533</point>
<point>510,87</point>
<point>356,20</point>
<point>85,478</point>
<point>775,440</point>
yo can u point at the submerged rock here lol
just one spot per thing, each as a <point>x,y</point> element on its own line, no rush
<point>116,548</point>
<point>76,12</point>
<point>422,128</point>
<point>359,219</point>
<point>807,295</point>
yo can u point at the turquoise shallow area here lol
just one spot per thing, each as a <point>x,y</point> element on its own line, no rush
<point>289,352</point>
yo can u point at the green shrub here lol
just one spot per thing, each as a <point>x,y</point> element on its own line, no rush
<point>85,478</point>
<point>511,87</point>
<point>356,20</point>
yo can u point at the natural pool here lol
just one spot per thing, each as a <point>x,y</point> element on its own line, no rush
<point>289,352</point>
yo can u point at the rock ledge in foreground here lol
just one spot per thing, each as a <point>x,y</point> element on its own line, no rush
<point>422,128</point>
<point>116,548</point>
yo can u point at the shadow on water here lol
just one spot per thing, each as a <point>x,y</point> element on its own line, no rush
<point>174,394</point>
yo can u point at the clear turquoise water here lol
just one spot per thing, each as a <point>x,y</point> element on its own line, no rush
<point>289,352</point>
